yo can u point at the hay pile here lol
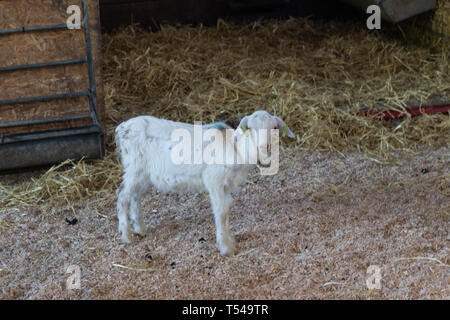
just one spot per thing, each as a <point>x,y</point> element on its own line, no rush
<point>59,188</point>
<point>317,76</point>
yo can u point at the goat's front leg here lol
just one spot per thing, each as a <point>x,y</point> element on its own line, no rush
<point>221,204</point>
<point>228,204</point>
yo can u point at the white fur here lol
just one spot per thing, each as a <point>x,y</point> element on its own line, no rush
<point>144,144</point>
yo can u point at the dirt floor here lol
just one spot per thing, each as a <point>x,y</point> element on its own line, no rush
<point>309,232</point>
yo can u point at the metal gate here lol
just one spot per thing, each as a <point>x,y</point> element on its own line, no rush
<point>52,146</point>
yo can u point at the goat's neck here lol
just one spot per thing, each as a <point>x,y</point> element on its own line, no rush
<point>240,156</point>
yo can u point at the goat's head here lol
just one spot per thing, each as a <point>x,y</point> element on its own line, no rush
<point>258,127</point>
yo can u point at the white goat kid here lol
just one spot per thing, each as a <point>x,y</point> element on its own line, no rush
<point>144,144</point>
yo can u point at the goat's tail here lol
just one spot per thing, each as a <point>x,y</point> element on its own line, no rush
<point>119,135</point>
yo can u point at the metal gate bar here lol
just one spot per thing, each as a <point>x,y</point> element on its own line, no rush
<point>21,137</point>
<point>45,98</point>
<point>44,64</point>
<point>46,120</point>
<point>42,135</point>
<point>87,37</point>
<point>31,29</point>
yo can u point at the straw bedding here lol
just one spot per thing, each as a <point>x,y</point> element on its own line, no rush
<point>317,76</point>
<point>322,219</point>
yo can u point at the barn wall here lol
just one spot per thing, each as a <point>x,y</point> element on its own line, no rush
<point>116,13</point>
<point>429,29</point>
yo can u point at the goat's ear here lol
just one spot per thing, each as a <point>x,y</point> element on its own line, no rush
<point>244,123</point>
<point>241,129</point>
<point>283,127</point>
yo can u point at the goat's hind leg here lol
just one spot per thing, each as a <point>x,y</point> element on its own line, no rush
<point>135,211</point>
<point>123,208</point>
<point>128,208</point>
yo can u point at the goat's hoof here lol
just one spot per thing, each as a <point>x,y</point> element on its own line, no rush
<point>139,230</point>
<point>126,239</point>
<point>227,251</point>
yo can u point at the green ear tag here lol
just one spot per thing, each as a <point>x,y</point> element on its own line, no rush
<point>284,131</point>
<point>244,129</point>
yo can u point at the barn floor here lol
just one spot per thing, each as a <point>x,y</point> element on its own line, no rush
<point>309,232</point>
